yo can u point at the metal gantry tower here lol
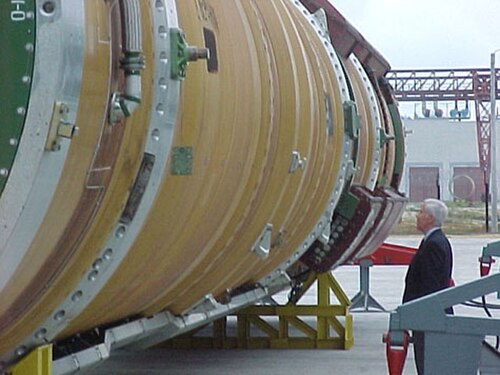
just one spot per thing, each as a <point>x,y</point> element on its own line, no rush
<point>454,85</point>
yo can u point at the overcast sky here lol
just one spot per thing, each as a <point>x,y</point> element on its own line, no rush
<point>428,33</point>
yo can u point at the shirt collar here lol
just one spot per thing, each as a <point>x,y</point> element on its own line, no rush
<point>430,231</point>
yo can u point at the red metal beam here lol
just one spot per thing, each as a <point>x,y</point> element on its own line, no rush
<point>347,39</point>
<point>441,84</point>
<point>452,85</point>
<point>391,254</point>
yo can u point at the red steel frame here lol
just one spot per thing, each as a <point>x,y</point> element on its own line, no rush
<point>389,254</point>
<point>451,85</point>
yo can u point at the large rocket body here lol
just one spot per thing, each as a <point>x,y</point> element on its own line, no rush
<point>171,156</point>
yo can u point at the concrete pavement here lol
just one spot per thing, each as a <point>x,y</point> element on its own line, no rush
<point>366,357</point>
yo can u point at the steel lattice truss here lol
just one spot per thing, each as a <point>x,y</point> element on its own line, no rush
<point>439,85</point>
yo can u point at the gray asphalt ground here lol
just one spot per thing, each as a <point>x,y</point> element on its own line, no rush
<point>366,357</point>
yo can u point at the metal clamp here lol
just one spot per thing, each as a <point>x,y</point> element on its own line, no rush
<point>60,127</point>
<point>182,53</point>
<point>297,162</point>
<point>263,245</point>
<point>351,119</point>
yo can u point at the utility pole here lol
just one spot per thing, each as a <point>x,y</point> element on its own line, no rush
<point>493,153</point>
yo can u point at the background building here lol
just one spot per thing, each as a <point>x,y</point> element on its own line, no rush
<point>442,160</point>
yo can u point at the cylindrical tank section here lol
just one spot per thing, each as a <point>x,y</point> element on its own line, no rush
<point>172,156</point>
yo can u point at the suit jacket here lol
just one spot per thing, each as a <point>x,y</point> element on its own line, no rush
<point>430,268</point>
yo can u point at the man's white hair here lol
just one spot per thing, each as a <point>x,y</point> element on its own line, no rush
<point>437,210</point>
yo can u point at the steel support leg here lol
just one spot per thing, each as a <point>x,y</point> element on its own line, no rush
<point>363,301</point>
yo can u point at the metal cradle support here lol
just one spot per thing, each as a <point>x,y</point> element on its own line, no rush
<point>291,326</point>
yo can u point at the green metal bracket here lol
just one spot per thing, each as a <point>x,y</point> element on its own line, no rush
<point>383,181</point>
<point>17,43</point>
<point>182,54</point>
<point>400,143</point>
<point>179,54</point>
<point>351,119</point>
<point>384,138</point>
<point>347,205</point>
<point>182,161</point>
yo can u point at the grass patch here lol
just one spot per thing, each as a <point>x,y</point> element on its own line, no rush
<point>463,218</point>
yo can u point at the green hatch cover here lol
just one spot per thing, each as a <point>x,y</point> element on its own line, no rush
<point>17,46</point>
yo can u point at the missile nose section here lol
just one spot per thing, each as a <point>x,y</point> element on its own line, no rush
<point>17,40</point>
<point>183,158</point>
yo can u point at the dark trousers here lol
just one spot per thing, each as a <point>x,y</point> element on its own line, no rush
<point>418,349</point>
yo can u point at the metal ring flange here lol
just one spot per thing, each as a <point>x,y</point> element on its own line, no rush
<point>35,172</point>
<point>376,119</point>
<point>163,118</point>
<point>326,217</point>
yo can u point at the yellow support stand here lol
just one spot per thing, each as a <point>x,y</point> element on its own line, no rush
<point>328,332</point>
<point>38,362</point>
<point>320,326</point>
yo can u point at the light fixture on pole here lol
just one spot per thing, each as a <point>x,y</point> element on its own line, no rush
<point>493,140</point>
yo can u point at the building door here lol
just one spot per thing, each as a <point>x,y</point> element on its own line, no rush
<point>468,184</point>
<point>424,183</point>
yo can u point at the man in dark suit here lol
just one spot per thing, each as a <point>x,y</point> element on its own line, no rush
<point>430,268</point>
